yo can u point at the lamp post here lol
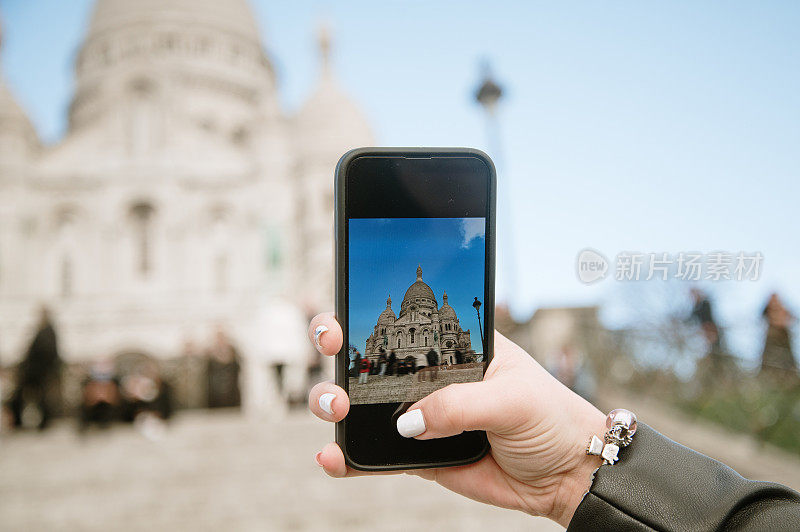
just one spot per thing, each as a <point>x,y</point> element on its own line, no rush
<point>477,306</point>
<point>488,95</point>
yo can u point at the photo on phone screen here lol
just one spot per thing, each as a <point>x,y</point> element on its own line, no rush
<point>415,290</point>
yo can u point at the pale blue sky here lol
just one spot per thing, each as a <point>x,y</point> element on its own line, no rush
<point>626,125</point>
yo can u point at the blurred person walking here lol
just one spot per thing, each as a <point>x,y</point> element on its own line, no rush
<point>778,370</point>
<point>223,373</point>
<point>382,362</point>
<point>38,378</point>
<point>411,362</point>
<point>777,356</point>
<point>355,362</point>
<point>363,370</point>
<point>702,312</point>
<point>432,369</point>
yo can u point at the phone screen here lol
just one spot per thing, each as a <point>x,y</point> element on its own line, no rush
<point>429,335</point>
<point>418,272</point>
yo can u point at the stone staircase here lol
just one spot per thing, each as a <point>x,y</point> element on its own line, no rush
<point>401,388</point>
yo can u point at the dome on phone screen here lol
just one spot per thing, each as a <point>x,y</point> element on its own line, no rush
<point>446,312</point>
<point>388,315</point>
<point>419,292</point>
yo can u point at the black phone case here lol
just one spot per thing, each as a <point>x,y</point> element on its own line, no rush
<point>341,278</point>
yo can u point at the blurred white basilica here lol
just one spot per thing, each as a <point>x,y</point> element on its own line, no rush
<point>181,197</point>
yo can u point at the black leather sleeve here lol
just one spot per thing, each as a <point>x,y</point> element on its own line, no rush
<point>658,484</point>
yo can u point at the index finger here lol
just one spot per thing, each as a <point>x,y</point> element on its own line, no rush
<point>325,333</point>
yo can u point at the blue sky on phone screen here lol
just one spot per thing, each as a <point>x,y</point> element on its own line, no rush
<point>383,258</point>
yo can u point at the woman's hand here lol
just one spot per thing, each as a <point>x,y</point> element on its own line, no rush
<point>538,430</point>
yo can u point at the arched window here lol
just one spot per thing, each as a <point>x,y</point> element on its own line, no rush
<point>142,217</point>
<point>411,334</point>
<point>398,341</point>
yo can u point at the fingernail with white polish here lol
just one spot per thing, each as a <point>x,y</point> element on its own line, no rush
<point>317,333</point>
<point>411,424</point>
<point>326,402</point>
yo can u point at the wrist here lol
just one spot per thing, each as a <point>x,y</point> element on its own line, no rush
<point>577,479</point>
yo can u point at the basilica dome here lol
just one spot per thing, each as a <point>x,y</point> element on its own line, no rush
<point>418,290</point>
<point>201,60</point>
<point>387,316</point>
<point>446,312</point>
<point>329,121</point>
<point>232,15</point>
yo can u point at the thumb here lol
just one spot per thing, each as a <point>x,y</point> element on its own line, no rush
<point>452,410</point>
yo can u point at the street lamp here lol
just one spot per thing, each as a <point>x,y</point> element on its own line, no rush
<point>477,306</point>
<point>489,92</point>
<point>488,95</point>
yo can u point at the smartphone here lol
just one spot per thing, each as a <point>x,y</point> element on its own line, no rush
<point>415,265</point>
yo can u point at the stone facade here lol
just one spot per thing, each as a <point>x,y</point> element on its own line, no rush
<point>182,196</point>
<point>421,326</point>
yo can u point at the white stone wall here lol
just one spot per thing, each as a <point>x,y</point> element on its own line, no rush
<point>176,114</point>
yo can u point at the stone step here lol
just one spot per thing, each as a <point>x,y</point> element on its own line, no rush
<point>401,388</point>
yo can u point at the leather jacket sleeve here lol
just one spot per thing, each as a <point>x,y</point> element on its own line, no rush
<point>658,484</point>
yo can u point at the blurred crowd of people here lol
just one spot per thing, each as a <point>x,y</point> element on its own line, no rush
<point>136,389</point>
<point>389,364</point>
<point>132,388</point>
